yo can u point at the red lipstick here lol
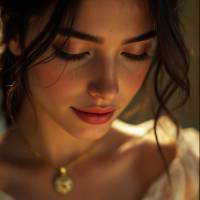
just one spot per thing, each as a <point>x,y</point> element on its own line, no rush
<point>95,115</point>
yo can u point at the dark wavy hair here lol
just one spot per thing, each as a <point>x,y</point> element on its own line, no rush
<point>170,55</point>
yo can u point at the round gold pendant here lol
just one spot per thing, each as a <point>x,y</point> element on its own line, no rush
<point>63,184</point>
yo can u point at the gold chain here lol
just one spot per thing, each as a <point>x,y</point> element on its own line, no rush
<point>62,169</point>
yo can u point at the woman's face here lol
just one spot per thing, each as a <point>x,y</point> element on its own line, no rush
<point>108,72</point>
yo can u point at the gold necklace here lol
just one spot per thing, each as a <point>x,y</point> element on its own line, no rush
<point>63,184</point>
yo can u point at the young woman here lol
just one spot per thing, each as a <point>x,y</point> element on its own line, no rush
<point>68,69</point>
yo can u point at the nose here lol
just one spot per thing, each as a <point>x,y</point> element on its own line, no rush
<point>104,83</point>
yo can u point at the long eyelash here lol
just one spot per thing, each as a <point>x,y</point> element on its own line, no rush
<point>69,57</point>
<point>78,57</point>
<point>136,58</point>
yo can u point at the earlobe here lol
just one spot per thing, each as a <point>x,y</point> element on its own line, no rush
<point>14,47</point>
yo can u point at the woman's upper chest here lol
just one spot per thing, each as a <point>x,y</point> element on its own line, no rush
<point>119,176</point>
<point>126,174</point>
<point>123,170</point>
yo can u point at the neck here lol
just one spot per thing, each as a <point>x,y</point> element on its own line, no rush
<point>48,137</point>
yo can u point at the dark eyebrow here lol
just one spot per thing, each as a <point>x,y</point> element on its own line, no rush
<point>100,40</point>
<point>145,36</point>
<point>81,35</point>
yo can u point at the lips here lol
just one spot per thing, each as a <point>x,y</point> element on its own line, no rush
<point>95,115</point>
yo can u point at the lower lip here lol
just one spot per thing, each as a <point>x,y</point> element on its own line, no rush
<point>93,118</point>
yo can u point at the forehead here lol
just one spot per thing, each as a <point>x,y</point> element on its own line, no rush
<point>111,19</point>
<point>127,17</point>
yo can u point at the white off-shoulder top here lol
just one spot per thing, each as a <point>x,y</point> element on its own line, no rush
<point>184,169</point>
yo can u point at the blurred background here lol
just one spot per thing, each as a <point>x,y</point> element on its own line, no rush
<point>189,114</point>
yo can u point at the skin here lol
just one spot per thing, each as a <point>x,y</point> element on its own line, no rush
<point>104,78</point>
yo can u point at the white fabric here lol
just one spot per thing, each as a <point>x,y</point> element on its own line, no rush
<point>184,169</point>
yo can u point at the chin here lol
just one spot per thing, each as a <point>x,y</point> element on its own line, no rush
<point>93,133</point>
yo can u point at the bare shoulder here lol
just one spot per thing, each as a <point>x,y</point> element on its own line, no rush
<point>142,142</point>
<point>144,132</point>
<point>5,142</point>
<point>3,138</point>
<point>4,166</point>
<point>8,153</point>
<point>3,134</point>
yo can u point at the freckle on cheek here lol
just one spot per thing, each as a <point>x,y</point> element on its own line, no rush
<point>135,81</point>
<point>46,74</point>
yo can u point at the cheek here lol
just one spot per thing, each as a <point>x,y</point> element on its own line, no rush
<point>53,81</point>
<point>132,80</point>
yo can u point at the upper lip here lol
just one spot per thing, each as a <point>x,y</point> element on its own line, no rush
<point>97,109</point>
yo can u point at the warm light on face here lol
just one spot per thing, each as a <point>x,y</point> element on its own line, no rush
<point>86,73</point>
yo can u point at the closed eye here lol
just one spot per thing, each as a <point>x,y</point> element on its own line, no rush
<point>69,57</point>
<point>78,57</point>
<point>136,58</point>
